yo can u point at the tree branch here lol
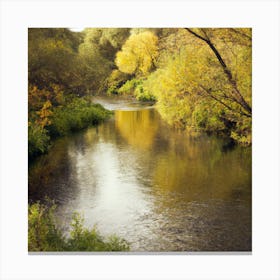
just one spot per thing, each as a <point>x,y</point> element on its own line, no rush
<point>227,71</point>
<point>223,103</point>
<point>241,33</point>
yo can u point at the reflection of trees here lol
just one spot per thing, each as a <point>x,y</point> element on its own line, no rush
<point>195,166</point>
<point>203,193</point>
<point>200,170</point>
<point>53,174</point>
<point>138,128</point>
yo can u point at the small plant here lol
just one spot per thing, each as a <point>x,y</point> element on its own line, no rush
<point>45,236</point>
<point>38,140</point>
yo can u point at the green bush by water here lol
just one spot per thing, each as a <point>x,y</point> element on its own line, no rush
<point>135,87</point>
<point>45,236</point>
<point>38,140</point>
<point>76,114</point>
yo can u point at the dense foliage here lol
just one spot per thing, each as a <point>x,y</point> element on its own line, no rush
<point>52,121</point>
<point>200,77</point>
<point>44,235</point>
<point>38,140</point>
<point>63,67</point>
<point>76,115</point>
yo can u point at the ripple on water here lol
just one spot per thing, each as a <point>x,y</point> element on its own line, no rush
<point>152,185</point>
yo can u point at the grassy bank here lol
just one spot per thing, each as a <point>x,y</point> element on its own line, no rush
<point>51,122</point>
<point>45,236</point>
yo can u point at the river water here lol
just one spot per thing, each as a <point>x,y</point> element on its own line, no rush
<point>160,188</point>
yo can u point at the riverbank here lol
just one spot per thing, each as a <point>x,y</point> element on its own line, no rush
<point>45,236</point>
<point>225,130</point>
<point>52,122</point>
<point>158,187</point>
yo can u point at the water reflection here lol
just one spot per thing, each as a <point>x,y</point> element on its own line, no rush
<point>159,188</point>
<point>138,128</point>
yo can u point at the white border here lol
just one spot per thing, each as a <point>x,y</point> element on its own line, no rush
<point>17,16</point>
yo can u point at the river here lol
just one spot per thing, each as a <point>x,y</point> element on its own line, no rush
<point>160,188</point>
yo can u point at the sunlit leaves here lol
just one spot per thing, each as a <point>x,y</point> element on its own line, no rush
<point>193,89</point>
<point>171,65</point>
<point>138,54</point>
<point>44,114</point>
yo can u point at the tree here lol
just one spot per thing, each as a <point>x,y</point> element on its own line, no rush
<point>139,53</point>
<point>96,55</point>
<point>51,56</point>
<point>234,95</point>
<point>206,82</point>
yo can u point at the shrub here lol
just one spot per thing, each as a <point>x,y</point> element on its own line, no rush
<point>129,86</point>
<point>112,90</point>
<point>38,140</point>
<point>137,88</point>
<point>242,134</point>
<point>82,239</point>
<point>115,81</point>
<point>142,94</point>
<point>76,115</point>
<point>208,117</point>
<point>44,235</point>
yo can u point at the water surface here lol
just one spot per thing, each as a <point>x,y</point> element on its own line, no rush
<point>159,188</point>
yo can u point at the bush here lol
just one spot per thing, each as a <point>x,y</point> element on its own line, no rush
<point>142,94</point>
<point>76,115</point>
<point>137,88</point>
<point>112,90</point>
<point>129,87</point>
<point>115,81</point>
<point>38,140</point>
<point>242,134</point>
<point>44,235</point>
<point>208,117</point>
<point>82,239</point>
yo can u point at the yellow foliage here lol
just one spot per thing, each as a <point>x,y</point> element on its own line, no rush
<point>138,54</point>
<point>44,114</point>
<point>190,83</point>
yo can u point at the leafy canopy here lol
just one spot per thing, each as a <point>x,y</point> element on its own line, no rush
<point>139,53</point>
